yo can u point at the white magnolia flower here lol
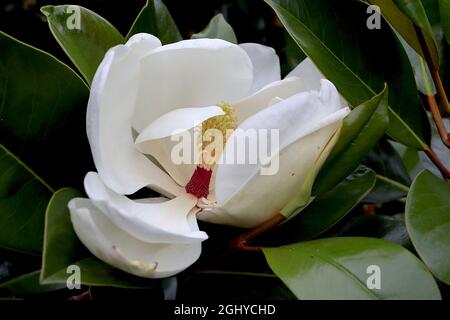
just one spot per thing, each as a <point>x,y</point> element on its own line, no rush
<point>141,93</point>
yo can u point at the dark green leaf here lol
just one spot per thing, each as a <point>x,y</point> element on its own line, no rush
<point>83,35</point>
<point>392,178</point>
<point>337,268</point>
<point>23,198</point>
<point>325,211</point>
<point>428,222</point>
<point>444,10</point>
<point>403,15</point>
<point>410,158</point>
<point>61,245</point>
<point>155,19</point>
<point>361,130</point>
<point>294,55</point>
<point>415,11</point>
<point>42,113</point>
<point>218,28</point>
<point>422,73</point>
<point>356,59</point>
<point>28,284</point>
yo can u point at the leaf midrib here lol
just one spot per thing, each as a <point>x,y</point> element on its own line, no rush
<point>7,152</point>
<point>345,271</point>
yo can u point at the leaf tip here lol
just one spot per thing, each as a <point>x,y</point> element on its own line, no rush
<point>47,10</point>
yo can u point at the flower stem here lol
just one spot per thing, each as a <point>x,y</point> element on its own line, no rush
<point>433,69</point>
<point>86,295</point>
<point>445,136</point>
<point>440,89</point>
<point>437,162</point>
<point>240,242</point>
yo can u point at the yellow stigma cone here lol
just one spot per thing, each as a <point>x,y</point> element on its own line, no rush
<point>225,124</point>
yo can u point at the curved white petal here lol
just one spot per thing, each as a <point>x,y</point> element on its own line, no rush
<point>195,73</point>
<point>306,123</point>
<point>266,65</point>
<point>262,99</point>
<point>177,121</point>
<point>309,73</point>
<point>120,249</point>
<point>161,137</point>
<point>149,222</point>
<point>111,105</point>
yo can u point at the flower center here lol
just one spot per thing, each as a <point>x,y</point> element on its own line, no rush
<point>198,185</point>
<point>225,123</point>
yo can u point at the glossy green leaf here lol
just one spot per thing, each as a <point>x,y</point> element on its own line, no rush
<point>61,246</point>
<point>23,199</point>
<point>410,158</point>
<point>356,59</point>
<point>393,180</point>
<point>83,35</point>
<point>337,268</point>
<point>422,73</point>
<point>43,113</point>
<point>294,55</point>
<point>28,284</point>
<point>62,249</point>
<point>404,15</point>
<point>325,211</point>
<point>415,11</point>
<point>96,273</point>
<point>428,222</point>
<point>217,28</point>
<point>155,19</point>
<point>444,10</point>
<point>361,130</point>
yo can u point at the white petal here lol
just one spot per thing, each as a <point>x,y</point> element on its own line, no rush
<point>111,105</point>
<point>149,222</point>
<point>263,196</point>
<point>177,121</point>
<point>311,76</point>
<point>309,73</point>
<point>165,150</point>
<point>262,99</point>
<point>118,248</point>
<point>266,64</point>
<point>157,141</point>
<point>195,73</point>
<point>306,121</point>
